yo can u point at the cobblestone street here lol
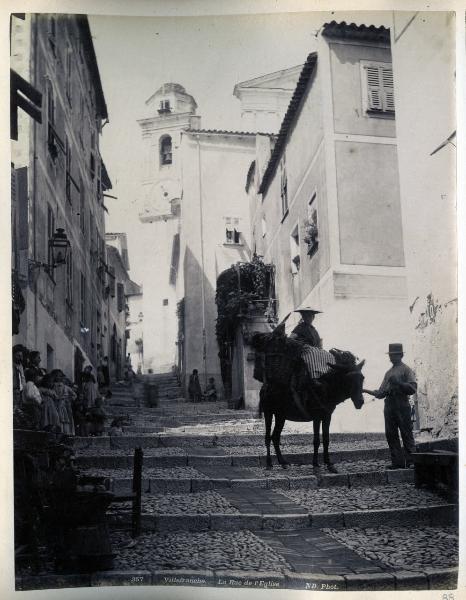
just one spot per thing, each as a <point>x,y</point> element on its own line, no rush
<point>207,517</point>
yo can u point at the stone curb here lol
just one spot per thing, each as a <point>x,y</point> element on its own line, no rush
<point>442,579</point>
<point>370,581</point>
<point>315,583</point>
<point>425,515</point>
<point>438,579</point>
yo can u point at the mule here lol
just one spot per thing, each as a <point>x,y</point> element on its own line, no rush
<point>316,403</point>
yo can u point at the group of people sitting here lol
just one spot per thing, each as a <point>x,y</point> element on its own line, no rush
<point>195,391</point>
<point>49,401</point>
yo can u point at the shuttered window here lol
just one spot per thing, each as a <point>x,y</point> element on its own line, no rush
<point>50,232</point>
<point>111,281</point>
<point>283,187</point>
<point>82,311</point>
<point>378,83</point>
<point>120,297</point>
<point>69,279</point>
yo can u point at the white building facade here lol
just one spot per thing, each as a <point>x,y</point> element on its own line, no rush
<point>327,212</point>
<point>168,112</point>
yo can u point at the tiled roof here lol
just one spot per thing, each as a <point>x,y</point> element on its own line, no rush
<point>288,120</point>
<point>250,175</point>
<point>88,48</point>
<point>222,132</point>
<point>106,183</point>
<point>352,31</point>
<point>132,288</point>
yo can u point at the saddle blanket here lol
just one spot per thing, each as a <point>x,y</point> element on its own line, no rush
<point>316,361</point>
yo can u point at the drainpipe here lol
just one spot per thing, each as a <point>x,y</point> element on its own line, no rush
<point>201,218</point>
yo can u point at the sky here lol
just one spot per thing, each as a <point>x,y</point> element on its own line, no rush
<point>207,56</point>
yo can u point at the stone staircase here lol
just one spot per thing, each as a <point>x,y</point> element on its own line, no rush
<point>213,515</point>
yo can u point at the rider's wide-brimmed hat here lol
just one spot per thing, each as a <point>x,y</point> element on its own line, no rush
<point>395,349</point>
<point>307,309</point>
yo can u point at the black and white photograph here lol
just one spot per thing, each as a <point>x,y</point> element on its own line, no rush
<point>234,300</point>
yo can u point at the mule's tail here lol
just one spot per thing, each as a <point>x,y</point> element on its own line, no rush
<point>260,408</point>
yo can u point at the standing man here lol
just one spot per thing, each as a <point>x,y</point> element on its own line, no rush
<point>19,381</point>
<point>305,331</point>
<point>398,384</point>
<point>105,371</point>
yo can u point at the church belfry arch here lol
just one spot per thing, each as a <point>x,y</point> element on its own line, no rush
<point>165,150</point>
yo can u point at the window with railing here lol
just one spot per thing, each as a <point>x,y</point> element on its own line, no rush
<point>232,231</point>
<point>295,251</point>
<point>164,107</point>
<point>311,230</point>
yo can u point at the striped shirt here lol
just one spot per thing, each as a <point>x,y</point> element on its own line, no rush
<point>316,361</point>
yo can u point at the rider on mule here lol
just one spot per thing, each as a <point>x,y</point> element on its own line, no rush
<point>305,331</point>
<point>315,360</point>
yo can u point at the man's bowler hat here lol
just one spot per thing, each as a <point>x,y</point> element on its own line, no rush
<point>395,349</point>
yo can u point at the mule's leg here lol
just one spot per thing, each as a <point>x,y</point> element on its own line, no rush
<point>268,428</point>
<point>315,458</point>
<point>277,431</point>
<point>326,440</point>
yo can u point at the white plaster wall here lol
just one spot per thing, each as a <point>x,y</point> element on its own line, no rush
<point>424,68</point>
<point>364,326</point>
<point>136,329</point>
<point>348,113</point>
<point>160,323</point>
<point>223,164</point>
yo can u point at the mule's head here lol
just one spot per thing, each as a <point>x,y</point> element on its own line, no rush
<point>352,381</point>
<point>357,380</point>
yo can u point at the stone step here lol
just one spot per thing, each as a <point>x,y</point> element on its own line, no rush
<point>203,456</point>
<point>173,482</point>
<point>167,386</point>
<point>169,440</point>
<point>160,380</point>
<point>424,515</point>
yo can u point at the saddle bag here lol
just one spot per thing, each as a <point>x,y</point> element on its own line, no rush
<point>278,368</point>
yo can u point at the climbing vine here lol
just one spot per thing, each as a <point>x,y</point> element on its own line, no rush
<point>241,290</point>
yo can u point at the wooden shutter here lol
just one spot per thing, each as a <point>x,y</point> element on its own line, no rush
<point>388,93</point>
<point>120,296</point>
<point>380,94</point>
<point>111,281</point>
<point>374,99</point>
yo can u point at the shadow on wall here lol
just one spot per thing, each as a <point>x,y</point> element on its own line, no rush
<point>200,312</point>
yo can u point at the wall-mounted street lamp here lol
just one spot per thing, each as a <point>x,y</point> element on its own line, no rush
<point>59,246</point>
